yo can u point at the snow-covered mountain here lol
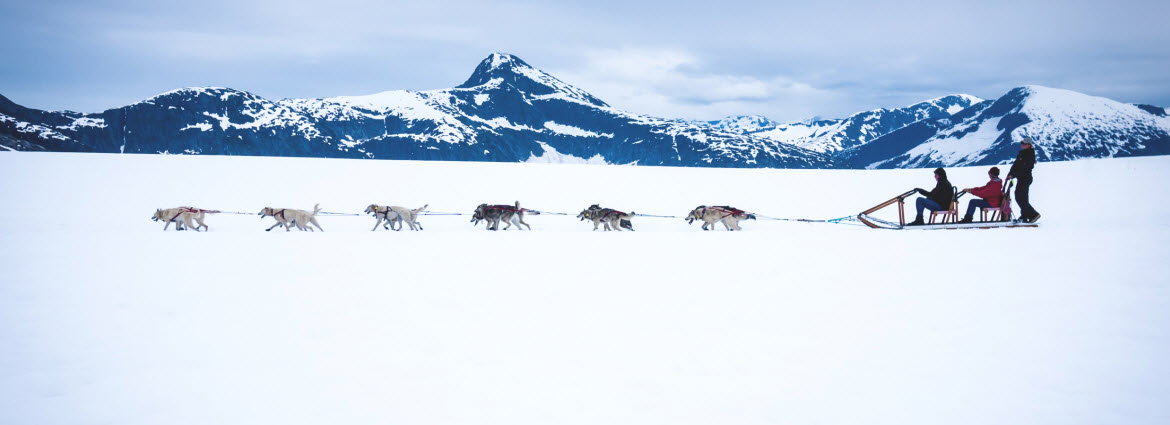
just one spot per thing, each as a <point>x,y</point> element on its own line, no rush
<point>1065,125</point>
<point>743,124</point>
<point>509,111</point>
<point>830,136</point>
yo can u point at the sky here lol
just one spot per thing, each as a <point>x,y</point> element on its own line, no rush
<point>677,59</point>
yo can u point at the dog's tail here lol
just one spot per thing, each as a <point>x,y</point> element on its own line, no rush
<point>316,209</point>
<point>524,211</point>
<point>420,209</point>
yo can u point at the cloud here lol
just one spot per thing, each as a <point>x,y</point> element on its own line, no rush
<point>676,83</point>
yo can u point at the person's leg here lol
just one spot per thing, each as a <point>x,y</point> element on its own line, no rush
<point>973,205</point>
<point>923,203</point>
<point>1026,211</point>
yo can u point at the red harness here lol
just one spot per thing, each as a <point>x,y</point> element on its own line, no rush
<point>187,210</point>
<point>507,208</point>
<point>727,212</point>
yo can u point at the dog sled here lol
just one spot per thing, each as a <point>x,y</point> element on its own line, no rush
<point>993,218</point>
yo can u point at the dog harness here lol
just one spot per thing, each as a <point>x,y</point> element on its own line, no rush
<point>187,210</point>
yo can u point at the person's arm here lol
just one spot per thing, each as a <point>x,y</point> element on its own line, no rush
<point>983,191</point>
<point>1015,167</point>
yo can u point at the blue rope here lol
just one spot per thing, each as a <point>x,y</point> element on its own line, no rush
<point>547,212</point>
<point>840,220</point>
<point>659,216</point>
<point>849,219</point>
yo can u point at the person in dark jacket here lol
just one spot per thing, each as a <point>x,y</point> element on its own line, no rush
<point>990,195</point>
<point>938,199</point>
<point>1022,171</point>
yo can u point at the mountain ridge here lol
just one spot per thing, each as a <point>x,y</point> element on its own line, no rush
<point>509,111</point>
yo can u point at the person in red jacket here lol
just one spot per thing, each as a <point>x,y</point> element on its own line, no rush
<point>990,195</point>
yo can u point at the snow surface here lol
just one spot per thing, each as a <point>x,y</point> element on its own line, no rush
<point>573,131</point>
<point>203,126</point>
<point>83,122</point>
<point>104,318</point>
<point>551,156</point>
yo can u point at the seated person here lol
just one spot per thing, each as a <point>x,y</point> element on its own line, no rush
<point>990,194</point>
<point>938,199</point>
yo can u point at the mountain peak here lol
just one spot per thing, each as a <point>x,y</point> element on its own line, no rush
<point>501,60</point>
<point>503,68</point>
<point>743,123</point>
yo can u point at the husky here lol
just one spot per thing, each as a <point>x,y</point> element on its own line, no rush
<point>608,217</point>
<point>396,215</point>
<point>182,217</point>
<point>288,218</point>
<point>730,217</point>
<point>494,214</point>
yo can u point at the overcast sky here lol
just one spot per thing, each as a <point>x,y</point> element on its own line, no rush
<point>673,59</point>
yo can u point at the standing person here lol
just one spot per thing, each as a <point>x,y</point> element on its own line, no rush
<point>1022,171</point>
<point>991,195</point>
<point>937,199</point>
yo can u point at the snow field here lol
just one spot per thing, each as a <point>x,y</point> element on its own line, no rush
<point>106,319</point>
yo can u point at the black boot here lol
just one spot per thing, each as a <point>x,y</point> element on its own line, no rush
<point>917,222</point>
<point>966,219</point>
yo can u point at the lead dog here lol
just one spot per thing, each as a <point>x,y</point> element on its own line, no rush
<point>494,214</point>
<point>396,215</point>
<point>182,217</point>
<point>288,218</point>
<point>730,217</point>
<point>609,217</point>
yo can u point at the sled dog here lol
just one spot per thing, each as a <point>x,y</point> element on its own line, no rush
<point>288,217</point>
<point>391,215</point>
<point>494,214</point>
<point>608,217</point>
<point>730,217</point>
<point>181,216</point>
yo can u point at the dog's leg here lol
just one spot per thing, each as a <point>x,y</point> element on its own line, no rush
<point>313,220</point>
<point>278,223</point>
<point>187,222</point>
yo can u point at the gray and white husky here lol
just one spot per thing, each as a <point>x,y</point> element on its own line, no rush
<point>608,217</point>
<point>494,214</point>
<point>729,216</point>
